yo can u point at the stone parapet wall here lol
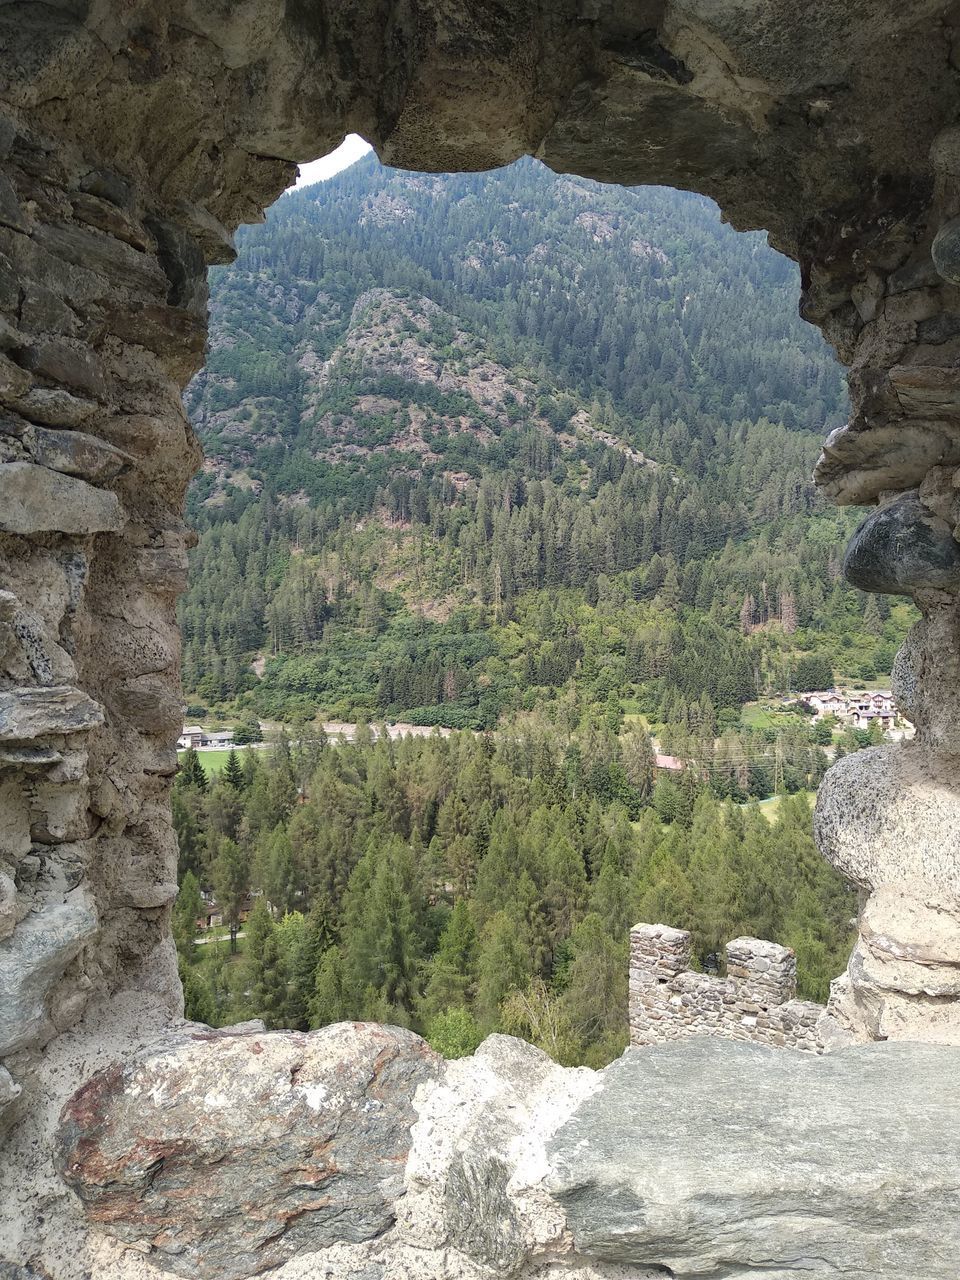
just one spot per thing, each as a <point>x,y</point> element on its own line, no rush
<point>754,1002</point>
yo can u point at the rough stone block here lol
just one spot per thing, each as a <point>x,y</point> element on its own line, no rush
<point>718,1159</point>
<point>121,265</point>
<point>902,548</point>
<point>891,815</point>
<point>927,390</point>
<point>75,453</point>
<point>34,499</point>
<point>279,1143</point>
<point>55,407</point>
<point>66,362</point>
<point>14,381</point>
<point>14,819</point>
<point>946,251</point>
<point>857,466</point>
<point>52,711</point>
<point>912,922</point>
<point>33,958</point>
<point>8,906</point>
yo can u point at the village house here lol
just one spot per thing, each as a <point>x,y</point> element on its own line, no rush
<point>828,703</point>
<point>192,737</point>
<point>867,708</point>
<point>667,764</point>
<point>195,737</point>
<point>211,914</point>
<point>859,710</point>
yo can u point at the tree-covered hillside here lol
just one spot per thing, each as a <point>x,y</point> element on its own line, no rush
<point>523,454</point>
<point>473,438</point>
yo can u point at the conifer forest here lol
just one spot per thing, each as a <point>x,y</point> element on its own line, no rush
<point>524,459</point>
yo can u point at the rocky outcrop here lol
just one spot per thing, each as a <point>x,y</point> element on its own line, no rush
<point>353,1152</point>
<point>32,959</point>
<point>903,548</point>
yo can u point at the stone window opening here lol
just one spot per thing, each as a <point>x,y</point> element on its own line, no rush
<point>133,141</point>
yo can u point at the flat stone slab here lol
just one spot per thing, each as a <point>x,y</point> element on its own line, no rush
<point>34,499</point>
<point>229,1153</point>
<point>51,710</point>
<point>726,1160</point>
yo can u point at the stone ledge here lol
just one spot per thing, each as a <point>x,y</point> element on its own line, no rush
<point>718,1159</point>
<point>354,1152</point>
<point>226,1154</point>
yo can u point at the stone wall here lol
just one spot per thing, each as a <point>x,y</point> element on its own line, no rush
<point>104,320</point>
<point>755,1002</point>
<point>355,1153</point>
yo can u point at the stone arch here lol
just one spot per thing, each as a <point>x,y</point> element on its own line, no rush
<point>134,139</point>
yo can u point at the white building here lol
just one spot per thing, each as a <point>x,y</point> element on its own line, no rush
<point>196,737</point>
<point>192,736</point>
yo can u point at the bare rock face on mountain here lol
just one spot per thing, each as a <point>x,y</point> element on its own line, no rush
<point>133,140</point>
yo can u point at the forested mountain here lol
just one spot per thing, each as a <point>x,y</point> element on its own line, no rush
<point>470,438</point>
<point>523,453</point>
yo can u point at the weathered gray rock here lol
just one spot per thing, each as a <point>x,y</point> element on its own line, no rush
<point>9,1089</point>
<point>14,381</point>
<point>55,407</point>
<point>856,466</point>
<point>11,215</point>
<point>475,1175</point>
<point>76,453</point>
<point>902,548</point>
<point>945,152</point>
<point>912,923</point>
<point>905,676</point>
<point>148,703</point>
<point>67,362</point>
<point>279,1143</point>
<point>886,972</point>
<point>34,499</point>
<point>929,391</point>
<point>107,255</point>
<point>891,815</point>
<point>106,215</point>
<point>8,905</point>
<point>946,251</point>
<point>33,958</point>
<point>175,334</point>
<point>722,1160</point>
<point>38,713</point>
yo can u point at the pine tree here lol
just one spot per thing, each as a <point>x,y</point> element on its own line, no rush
<point>192,772</point>
<point>231,884</point>
<point>504,965</point>
<point>453,968</point>
<point>263,972</point>
<point>233,772</point>
<point>186,911</point>
<point>329,1002</point>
